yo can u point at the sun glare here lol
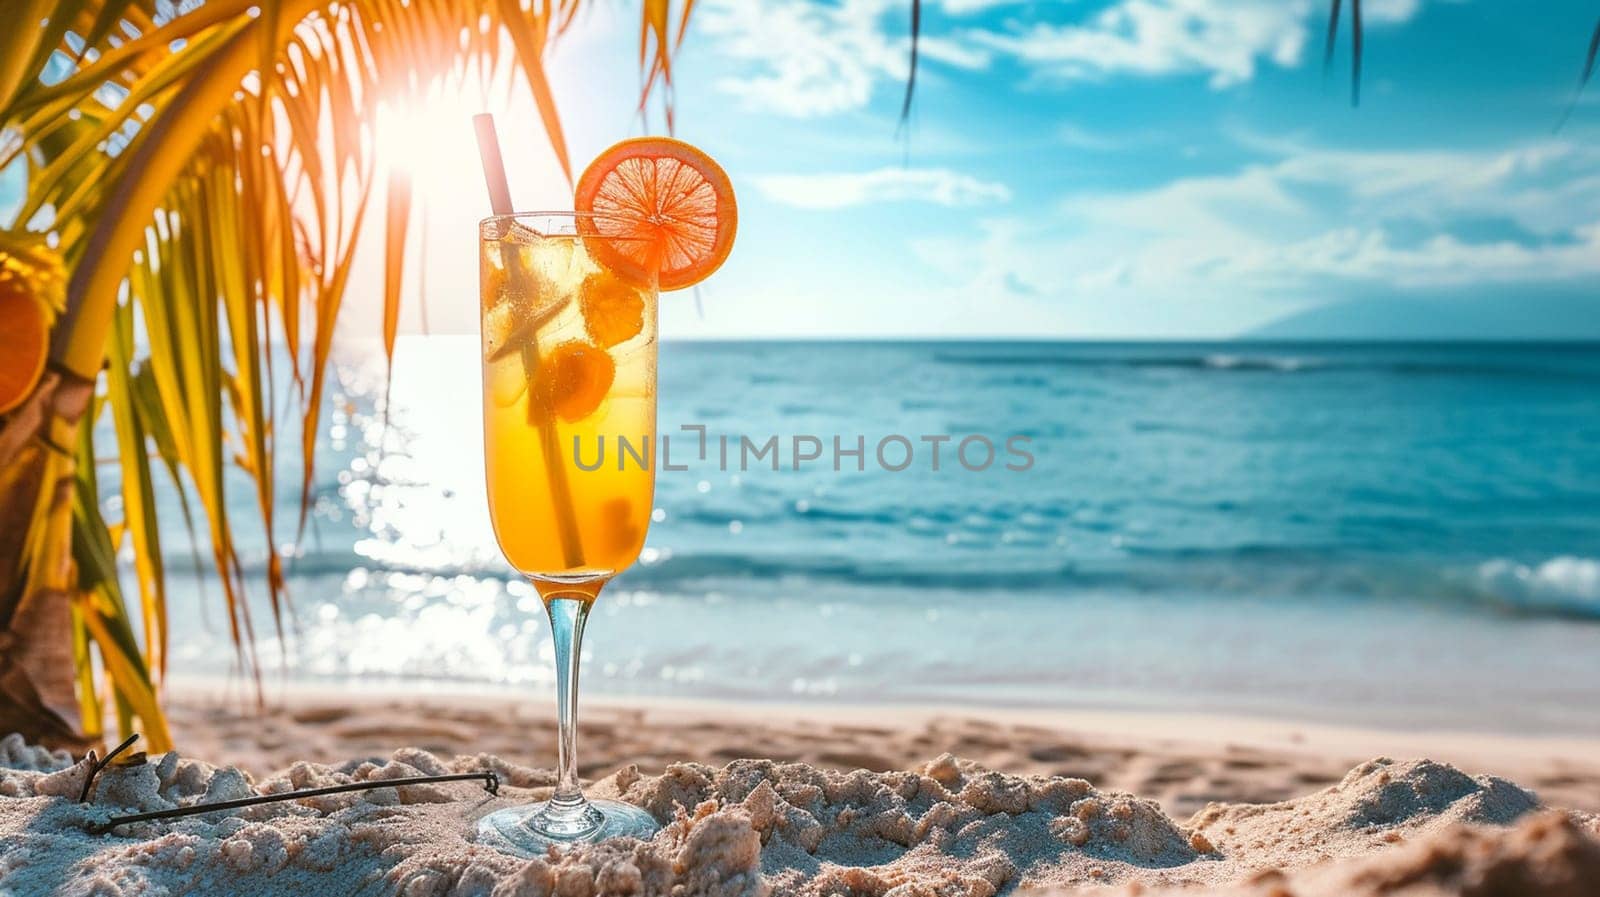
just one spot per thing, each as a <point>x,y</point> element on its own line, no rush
<point>428,137</point>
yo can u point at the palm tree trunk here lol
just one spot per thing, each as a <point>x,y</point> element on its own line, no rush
<point>37,466</point>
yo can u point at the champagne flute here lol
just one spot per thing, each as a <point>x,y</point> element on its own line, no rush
<point>569,420</point>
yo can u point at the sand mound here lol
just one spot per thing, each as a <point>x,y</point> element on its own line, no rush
<point>755,827</point>
<point>1549,854</point>
<point>951,827</point>
<point>1377,802</point>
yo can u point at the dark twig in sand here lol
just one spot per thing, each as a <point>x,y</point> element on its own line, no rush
<point>97,765</point>
<point>491,784</point>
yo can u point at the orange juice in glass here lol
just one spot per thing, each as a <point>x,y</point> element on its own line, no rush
<point>569,423</point>
<point>569,384</point>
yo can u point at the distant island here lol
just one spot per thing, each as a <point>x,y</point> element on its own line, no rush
<point>1559,314</point>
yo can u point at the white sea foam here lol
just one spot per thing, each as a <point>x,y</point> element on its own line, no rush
<point>1566,582</point>
<point>1285,364</point>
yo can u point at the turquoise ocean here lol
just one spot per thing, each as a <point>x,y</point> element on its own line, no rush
<point>1385,534</point>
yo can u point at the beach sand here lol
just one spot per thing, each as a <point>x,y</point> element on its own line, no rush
<point>1181,761</point>
<point>848,800</point>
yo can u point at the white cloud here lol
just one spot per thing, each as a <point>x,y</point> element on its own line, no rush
<point>811,59</point>
<point>1225,41</point>
<point>1371,254</point>
<point>808,59</point>
<point>1310,224</point>
<point>956,53</point>
<point>968,7</point>
<point>1415,219</point>
<point>1164,37</point>
<point>940,186</point>
<point>1389,12</point>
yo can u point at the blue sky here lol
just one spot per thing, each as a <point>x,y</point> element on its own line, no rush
<point>1145,168</point>
<point>1079,169</point>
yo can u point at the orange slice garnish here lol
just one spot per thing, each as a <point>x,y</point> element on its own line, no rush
<point>575,379</point>
<point>613,309</point>
<point>663,211</point>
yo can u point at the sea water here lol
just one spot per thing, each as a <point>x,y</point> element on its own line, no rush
<point>1390,534</point>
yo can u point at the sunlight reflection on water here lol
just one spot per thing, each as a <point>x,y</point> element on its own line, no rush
<point>1248,535</point>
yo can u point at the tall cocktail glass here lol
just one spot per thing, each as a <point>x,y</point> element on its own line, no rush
<point>569,422</point>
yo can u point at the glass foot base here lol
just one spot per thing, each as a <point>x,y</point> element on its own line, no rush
<point>528,830</point>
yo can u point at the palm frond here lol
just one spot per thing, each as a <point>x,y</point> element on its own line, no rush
<point>98,605</point>
<point>1332,38</point>
<point>1356,41</point>
<point>1583,77</point>
<point>911,74</point>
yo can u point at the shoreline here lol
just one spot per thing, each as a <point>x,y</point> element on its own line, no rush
<point>1256,729</point>
<point>1136,750</point>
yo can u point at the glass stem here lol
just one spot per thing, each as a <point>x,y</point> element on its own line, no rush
<point>567,809</point>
